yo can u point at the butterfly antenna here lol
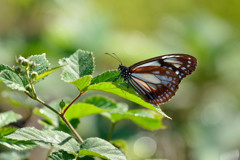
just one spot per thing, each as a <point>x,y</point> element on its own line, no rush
<point>114,56</point>
<point>117,57</point>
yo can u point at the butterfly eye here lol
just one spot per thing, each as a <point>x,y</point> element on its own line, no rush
<point>157,79</point>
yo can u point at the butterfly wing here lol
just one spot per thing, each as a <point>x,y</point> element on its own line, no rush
<point>157,79</point>
<point>181,64</point>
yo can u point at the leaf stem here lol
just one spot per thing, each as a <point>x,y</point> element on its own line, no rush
<point>69,105</point>
<point>111,131</point>
<point>80,140</point>
<point>49,152</point>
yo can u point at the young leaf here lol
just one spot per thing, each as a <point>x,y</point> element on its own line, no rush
<point>100,148</point>
<point>8,117</point>
<point>46,73</point>
<point>57,139</point>
<point>79,64</point>
<point>125,93</point>
<point>102,102</point>
<point>42,63</point>
<point>12,80</point>
<point>82,82</point>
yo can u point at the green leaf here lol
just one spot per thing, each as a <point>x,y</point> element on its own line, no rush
<point>8,117</point>
<point>102,102</point>
<point>17,99</point>
<point>79,64</point>
<point>42,63</point>
<point>86,158</point>
<point>119,143</point>
<point>125,93</point>
<point>5,67</point>
<point>82,82</point>
<point>50,116</point>
<point>61,155</point>
<point>100,148</point>
<point>6,131</point>
<point>57,139</point>
<point>13,155</point>
<point>16,144</point>
<point>13,144</point>
<point>108,76</point>
<point>12,80</point>
<point>79,110</point>
<point>63,127</point>
<point>146,119</point>
<point>46,124</point>
<point>46,73</point>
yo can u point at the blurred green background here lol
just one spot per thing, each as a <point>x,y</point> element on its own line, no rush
<point>205,110</point>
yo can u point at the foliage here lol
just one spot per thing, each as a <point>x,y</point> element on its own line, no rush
<point>60,121</point>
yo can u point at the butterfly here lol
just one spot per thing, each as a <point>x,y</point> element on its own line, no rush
<point>157,79</point>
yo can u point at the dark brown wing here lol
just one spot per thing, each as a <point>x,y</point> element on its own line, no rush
<point>157,85</point>
<point>157,79</point>
<point>181,64</point>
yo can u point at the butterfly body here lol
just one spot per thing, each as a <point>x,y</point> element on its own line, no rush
<point>157,79</point>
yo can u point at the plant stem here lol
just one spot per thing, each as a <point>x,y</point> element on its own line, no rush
<point>31,84</point>
<point>49,107</point>
<point>49,152</point>
<point>65,110</point>
<point>111,131</point>
<point>80,140</point>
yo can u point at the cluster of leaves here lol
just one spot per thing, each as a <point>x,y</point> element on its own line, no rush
<point>77,70</point>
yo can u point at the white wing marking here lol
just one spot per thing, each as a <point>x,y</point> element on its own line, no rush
<point>142,84</point>
<point>172,60</point>
<point>154,63</point>
<point>147,78</point>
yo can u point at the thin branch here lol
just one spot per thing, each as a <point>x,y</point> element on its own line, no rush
<point>111,131</point>
<point>80,140</point>
<point>74,100</point>
<point>46,105</point>
<point>49,152</point>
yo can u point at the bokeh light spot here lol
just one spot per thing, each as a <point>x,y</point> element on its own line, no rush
<point>145,147</point>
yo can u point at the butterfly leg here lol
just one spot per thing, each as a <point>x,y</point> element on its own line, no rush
<point>128,84</point>
<point>115,79</point>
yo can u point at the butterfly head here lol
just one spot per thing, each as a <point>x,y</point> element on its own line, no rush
<point>125,73</point>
